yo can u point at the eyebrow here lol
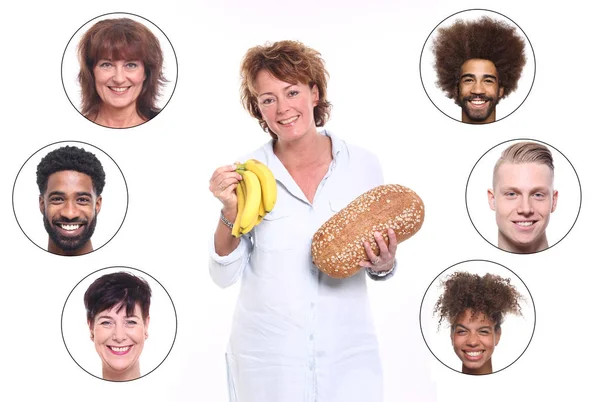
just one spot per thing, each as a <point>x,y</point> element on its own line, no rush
<point>518,190</point>
<point>471,75</point>
<point>62,193</point>
<point>478,328</point>
<point>112,318</point>
<point>271,93</point>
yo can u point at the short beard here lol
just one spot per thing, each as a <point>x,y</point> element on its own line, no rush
<point>463,102</point>
<point>70,244</point>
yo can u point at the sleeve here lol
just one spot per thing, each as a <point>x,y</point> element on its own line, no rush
<point>226,270</point>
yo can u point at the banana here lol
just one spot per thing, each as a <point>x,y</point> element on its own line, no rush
<point>267,182</point>
<point>253,198</point>
<point>241,202</point>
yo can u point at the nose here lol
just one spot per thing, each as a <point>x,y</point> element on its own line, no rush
<point>283,106</point>
<point>477,87</point>
<point>525,207</point>
<point>119,75</point>
<point>472,340</point>
<point>70,210</point>
<point>118,333</point>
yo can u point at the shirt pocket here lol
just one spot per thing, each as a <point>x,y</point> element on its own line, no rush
<point>276,231</point>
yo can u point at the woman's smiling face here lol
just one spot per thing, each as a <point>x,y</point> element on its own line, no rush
<point>119,340</point>
<point>119,82</point>
<point>474,338</point>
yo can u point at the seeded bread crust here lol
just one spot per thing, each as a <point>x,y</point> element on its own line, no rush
<point>337,247</point>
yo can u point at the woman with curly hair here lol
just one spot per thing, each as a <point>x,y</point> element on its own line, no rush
<point>478,63</point>
<point>475,307</point>
<point>298,335</point>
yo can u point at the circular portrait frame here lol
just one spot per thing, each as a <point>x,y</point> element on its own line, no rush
<point>447,106</point>
<point>162,328</point>
<point>517,331</point>
<point>70,64</point>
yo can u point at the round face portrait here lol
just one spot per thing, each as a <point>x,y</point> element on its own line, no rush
<point>119,83</point>
<point>479,91</point>
<point>69,207</point>
<point>70,198</point>
<point>477,66</point>
<point>106,324</point>
<point>523,196</point>
<point>119,70</point>
<point>477,317</point>
<point>119,341</point>
<point>474,337</point>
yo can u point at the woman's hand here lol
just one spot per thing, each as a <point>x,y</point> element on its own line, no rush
<point>385,260</point>
<point>223,183</point>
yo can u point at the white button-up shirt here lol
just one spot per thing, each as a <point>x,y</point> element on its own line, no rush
<point>299,335</point>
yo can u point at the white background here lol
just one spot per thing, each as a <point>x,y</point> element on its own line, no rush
<point>162,327</point>
<point>70,62</point>
<point>372,50</point>
<point>429,78</point>
<point>565,182</point>
<point>517,331</point>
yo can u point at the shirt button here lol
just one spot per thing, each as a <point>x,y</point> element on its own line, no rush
<point>311,337</point>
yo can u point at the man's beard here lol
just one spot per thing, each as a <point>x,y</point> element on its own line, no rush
<point>70,243</point>
<point>478,115</point>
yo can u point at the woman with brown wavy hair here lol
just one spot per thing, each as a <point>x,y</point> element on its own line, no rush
<point>298,335</point>
<point>120,73</point>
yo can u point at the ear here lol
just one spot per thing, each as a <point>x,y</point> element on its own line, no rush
<point>314,90</point>
<point>91,331</point>
<point>491,199</point>
<point>42,204</point>
<point>498,334</point>
<point>146,324</point>
<point>500,92</point>
<point>98,204</point>
<point>554,199</point>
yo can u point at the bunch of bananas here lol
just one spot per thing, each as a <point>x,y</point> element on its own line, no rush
<point>256,195</point>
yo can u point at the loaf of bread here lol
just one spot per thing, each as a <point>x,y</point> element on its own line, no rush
<point>337,247</point>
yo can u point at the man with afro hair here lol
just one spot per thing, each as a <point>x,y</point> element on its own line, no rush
<point>70,181</point>
<point>478,63</point>
<point>475,307</point>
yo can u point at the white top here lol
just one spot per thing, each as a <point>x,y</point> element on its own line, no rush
<point>299,335</point>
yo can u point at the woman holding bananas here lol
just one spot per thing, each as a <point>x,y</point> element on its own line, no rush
<point>298,335</point>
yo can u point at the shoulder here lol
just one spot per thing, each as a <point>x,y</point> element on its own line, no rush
<point>263,154</point>
<point>353,153</point>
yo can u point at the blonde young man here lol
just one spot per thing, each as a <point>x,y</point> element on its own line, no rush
<point>523,197</point>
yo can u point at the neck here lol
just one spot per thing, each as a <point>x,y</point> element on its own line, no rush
<point>86,248</point>
<point>308,150</point>
<point>485,369</point>
<point>540,244</point>
<point>131,373</point>
<point>490,119</point>
<point>118,117</point>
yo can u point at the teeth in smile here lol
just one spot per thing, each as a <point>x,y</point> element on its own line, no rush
<point>288,121</point>
<point>474,354</point>
<point>529,223</point>
<point>478,101</point>
<point>122,349</point>
<point>119,89</point>
<point>70,227</point>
